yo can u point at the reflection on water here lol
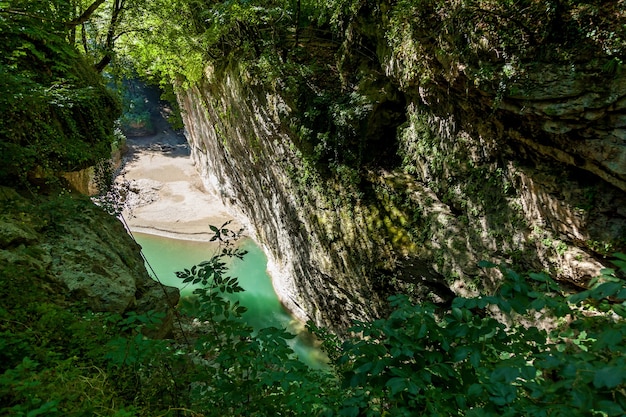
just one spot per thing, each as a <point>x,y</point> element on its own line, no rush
<point>166,256</point>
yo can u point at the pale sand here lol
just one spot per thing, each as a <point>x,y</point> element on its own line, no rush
<point>166,196</point>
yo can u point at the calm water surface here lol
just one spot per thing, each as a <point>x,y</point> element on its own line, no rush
<point>166,256</point>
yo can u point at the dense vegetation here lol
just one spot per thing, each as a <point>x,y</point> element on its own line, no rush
<point>320,54</point>
<point>483,356</point>
<point>418,361</point>
<point>56,114</point>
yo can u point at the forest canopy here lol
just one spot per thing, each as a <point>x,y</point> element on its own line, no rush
<point>56,112</point>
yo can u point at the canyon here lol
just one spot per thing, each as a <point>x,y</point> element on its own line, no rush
<point>439,188</point>
<point>450,172</point>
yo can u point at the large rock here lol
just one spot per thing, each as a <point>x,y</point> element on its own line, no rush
<point>81,253</point>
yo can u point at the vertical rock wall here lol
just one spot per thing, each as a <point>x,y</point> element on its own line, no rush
<point>244,153</point>
<point>453,172</point>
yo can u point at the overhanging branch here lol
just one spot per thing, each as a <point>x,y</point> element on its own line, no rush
<point>85,15</point>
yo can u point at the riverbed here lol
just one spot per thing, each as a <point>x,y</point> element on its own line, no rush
<point>169,212</point>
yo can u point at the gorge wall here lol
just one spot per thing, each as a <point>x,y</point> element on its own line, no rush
<point>405,158</point>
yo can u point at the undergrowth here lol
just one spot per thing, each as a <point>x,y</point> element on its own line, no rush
<point>528,349</point>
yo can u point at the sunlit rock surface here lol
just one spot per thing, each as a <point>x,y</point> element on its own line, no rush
<point>532,176</point>
<point>80,253</point>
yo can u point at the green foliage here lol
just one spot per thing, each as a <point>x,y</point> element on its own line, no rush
<point>56,113</point>
<point>465,362</point>
<point>334,126</point>
<point>495,40</point>
<point>136,116</point>
<point>52,356</point>
<point>68,388</point>
<point>176,38</point>
<point>230,369</point>
<point>482,356</point>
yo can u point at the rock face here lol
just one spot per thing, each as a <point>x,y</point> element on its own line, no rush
<point>248,164</point>
<point>527,168</point>
<point>80,253</point>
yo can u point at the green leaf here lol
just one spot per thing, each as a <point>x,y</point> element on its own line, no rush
<point>349,411</point>
<point>541,277</point>
<point>475,390</point>
<point>475,358</point>
<point>502,394</point>
<point>396,385</point>
<point>620,310</point>
<point>364,368</point>
<point>461,353</point>
<point>620,264</point>
<point>608,377</point>
<point>422,331</point>
<point>45,408</point>
<point>610,408</point>
<point>458,302</point>
<point>412,387</point>
<point>538,304</point>
<point>505,306</point>
<point>606,289</point>
<point>471,303</point>
<point>529,372</point>
<point>486,264</point>
<point>607,271</point>
<point>610,339</point>
<point>505,374</point>
<point>482,302</point>
<point>576,298</point>
<point>378,368</point>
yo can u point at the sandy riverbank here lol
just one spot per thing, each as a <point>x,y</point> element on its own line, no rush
<point>166,197</point>
<point>164,193</point>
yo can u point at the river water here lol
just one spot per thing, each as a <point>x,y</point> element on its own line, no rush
<point>166,256</point>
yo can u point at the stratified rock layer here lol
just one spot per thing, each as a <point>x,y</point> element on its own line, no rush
<point>525,167</point>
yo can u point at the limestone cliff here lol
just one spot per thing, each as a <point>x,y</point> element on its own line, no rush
<point>417,151</point>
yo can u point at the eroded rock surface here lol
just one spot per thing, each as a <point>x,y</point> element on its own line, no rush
<point>462,149</point>
<point>80,253</point>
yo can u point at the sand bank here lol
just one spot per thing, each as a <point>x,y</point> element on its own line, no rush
<point>164,193</point>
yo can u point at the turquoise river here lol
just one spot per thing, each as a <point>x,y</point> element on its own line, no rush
<point>166,256</point>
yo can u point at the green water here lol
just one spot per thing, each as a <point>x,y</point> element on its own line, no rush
<point>166,256</point>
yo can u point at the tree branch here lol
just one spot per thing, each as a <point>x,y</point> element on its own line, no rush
<point>85,16</point>
<point>23,13</point>
<point>116,14</point>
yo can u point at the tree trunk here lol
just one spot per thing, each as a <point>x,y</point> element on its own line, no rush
<point>116,14</point>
